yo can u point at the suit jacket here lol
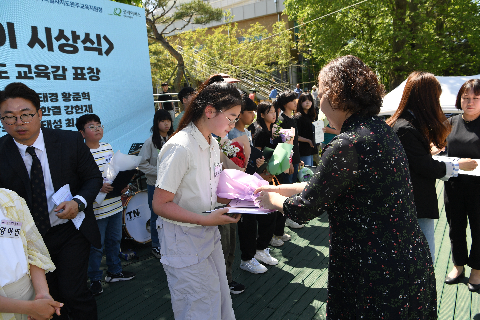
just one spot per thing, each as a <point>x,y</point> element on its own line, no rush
<point>424,170</point>
<point>70,161</point>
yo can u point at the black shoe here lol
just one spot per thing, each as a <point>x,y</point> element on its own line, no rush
<point>122,276</point>
<point>449,280</point>
<point>236,288</point>
<point>473,287</point>
<point>96,288</point>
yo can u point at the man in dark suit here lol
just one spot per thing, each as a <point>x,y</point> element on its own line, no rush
<point>64,159</point>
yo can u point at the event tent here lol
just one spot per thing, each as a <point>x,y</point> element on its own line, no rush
<point>450,87</point>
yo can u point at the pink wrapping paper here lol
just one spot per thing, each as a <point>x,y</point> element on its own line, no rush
<point>235,184</point>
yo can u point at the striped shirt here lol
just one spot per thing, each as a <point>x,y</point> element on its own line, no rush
<point>102,155</point>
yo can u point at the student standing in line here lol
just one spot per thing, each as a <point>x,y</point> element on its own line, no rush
<point>108,213</point>
<point>161,131</point>
<point>305,129</point>
<point>266,117</point>
<point>255,248</point>
<point>188,173</point>
<point>287,102</point>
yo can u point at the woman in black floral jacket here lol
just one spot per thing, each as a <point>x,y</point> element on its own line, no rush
<point>380,265</point>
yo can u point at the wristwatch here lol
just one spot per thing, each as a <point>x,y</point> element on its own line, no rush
<point>81,205</point>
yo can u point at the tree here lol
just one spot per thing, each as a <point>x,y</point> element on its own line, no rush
<point>165,13</point>
<point>394,37</point>
<point>228,49</point>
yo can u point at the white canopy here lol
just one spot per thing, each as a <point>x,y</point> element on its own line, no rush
<point>450,87</point>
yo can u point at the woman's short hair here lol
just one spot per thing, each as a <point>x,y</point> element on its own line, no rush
<point>350,85</point>
<point>472,84</point>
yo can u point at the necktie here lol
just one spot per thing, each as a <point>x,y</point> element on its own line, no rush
<point>39,207</point>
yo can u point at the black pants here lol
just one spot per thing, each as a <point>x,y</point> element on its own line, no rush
<point>462,202</point>
<point>247,233</point>
<point>228,238</point>
<point>69,250</point>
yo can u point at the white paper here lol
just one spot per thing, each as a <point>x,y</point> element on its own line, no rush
<point>319,137</point>
<point>77,221</point>
<point>243,203</point>
<point>475,172</point>
<point>64,194</point>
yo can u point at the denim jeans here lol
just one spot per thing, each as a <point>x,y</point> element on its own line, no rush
<point>307,160</point>
<point>153,218</point>
<point>111,235</point>
<point>428,229</point>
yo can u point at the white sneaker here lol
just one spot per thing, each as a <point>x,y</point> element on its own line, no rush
<point>276,241</point>
<point>285,237</point>
<point>265,257</point>
<point>292,224</point>
<point>253,266</point>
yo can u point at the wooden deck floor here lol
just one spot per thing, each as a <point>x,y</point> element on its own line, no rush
<point>294,289</point>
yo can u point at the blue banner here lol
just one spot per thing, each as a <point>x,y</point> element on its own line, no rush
<point>86,56</point>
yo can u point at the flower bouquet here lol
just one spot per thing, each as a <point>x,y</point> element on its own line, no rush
<point>234,151</point>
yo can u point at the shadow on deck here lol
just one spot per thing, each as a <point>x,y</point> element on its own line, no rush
<point>294,289</point>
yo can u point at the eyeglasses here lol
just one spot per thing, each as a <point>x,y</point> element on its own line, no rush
<point>231,122</point>
<point>26,118</point>
<point>95,128</point>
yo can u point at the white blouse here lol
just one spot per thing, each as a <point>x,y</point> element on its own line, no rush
<point>190,167</point>
<point>13,262</point>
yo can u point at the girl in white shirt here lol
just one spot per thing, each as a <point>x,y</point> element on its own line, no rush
<point>188,170</point>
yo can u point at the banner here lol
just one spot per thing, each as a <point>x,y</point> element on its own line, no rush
<point>85,56</point>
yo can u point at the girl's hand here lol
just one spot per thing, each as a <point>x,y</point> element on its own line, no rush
<point>43,309</point>
<point>310,143</point>
<point>260,161</point>
<point>467,164</point>
<point>220,217</point>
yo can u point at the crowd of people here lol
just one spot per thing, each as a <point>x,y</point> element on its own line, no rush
<point>374,178</point>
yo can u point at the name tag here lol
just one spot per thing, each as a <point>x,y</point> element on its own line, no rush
<point>10,229</point>
<point>218,168</point>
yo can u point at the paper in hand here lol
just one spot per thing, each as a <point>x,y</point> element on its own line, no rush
<point>63,194</point>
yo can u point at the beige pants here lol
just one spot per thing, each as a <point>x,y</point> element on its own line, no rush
<point>21,289</point>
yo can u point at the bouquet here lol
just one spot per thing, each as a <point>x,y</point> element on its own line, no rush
<point>118,162</point>
<point>287,135</point>
<point>234,151</point>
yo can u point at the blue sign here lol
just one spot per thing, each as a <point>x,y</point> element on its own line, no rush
<point>85,56</point>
